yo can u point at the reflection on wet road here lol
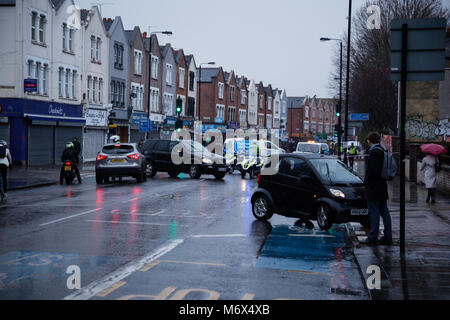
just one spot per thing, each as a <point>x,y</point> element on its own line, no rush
<point>133,241</point>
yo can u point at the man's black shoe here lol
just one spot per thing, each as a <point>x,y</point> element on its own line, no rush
<point>385,242</point>
<point>369,242</point>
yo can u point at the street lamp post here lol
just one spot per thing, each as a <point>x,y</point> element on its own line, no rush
<point>199,86</point>
<point>347,80</point>
<point>169,33</point>
<point>340,96</point>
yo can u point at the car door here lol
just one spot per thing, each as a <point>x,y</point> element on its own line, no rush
<point>306,187</point>
<point>161,152</point>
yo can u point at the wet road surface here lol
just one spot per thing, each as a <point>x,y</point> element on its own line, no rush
<point>166,239</point>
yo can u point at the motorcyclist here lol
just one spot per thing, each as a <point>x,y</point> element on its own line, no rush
<point>69,154</point>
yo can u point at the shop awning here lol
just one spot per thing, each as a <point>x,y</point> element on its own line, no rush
<point>55,118</point>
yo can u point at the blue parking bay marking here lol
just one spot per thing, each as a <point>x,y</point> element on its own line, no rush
<point>307,250</point>
<point>42,275</point>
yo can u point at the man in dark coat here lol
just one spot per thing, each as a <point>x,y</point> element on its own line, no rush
<point>77,146</point>
<point>377,193</point>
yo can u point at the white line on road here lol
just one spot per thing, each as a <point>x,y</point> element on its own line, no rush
<point>100,285</point>
<point>70,217</point>
<point>219,236</point>
<point>312,235</point>
<point>130,222</point>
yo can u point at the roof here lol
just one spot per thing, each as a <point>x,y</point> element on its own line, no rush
<point>108,22</point>
<point>208,74</point>
<point>130,35</point>
<point>56,3</point>
<point>295,102</point>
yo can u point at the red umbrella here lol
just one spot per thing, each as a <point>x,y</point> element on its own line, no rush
<point>434,149</point>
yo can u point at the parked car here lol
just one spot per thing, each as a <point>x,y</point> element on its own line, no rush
<point>120,160</point>
<point>310,147</point>
<point>311,186</point>
<point>158,155</point>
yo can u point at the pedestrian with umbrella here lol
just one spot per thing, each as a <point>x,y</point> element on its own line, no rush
<point>429,165</point>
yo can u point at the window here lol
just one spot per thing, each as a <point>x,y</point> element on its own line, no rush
<point>100,91</point>
<point>89,85</point>
<point>306,112</point>
<point>220,112</point>
<point>306,125</point>
<point>66,83</point>
<point>64,36</point>
<point>60,83</point>
<point>232,93</point>
<point>74,76</point>
<point>181,80</point>
<point>169,74</point>
<point>231,114</point>
<point>137,62</point>
<point>97,49</point>
<point>191,80</point>
<point>154,99</point>
<point>92,48</point>
<point>242,116</point>
<point>314,112</point>
<point>94,90</point>
<point>243,96</point>
<point>221,87</point>
<point>34,18</point>
<point>30,68</point>
<point>44,79</point>
<point>155,66</point>
<point>269,104</point>
<point>269,122</point>
<point>261,101</point>
<point>42,22</point>
<point>71,31</point>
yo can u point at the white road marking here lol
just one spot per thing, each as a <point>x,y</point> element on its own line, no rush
<point>219,236</point>
<point>312,235</point>
<point>70,217</point>
<point>100,285</point>
<point>129,222</point>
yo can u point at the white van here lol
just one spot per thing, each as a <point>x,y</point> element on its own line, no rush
<point>309,147</point>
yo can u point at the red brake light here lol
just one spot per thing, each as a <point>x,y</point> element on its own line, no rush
<point>101,157</point>
<point>67,163</point>
<point>134,156</point>
<point>259,175</point>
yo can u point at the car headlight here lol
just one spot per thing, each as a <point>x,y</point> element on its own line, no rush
<point>337,193</point>
<point>207,161</point>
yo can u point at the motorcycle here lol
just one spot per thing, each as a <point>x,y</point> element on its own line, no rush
<point>250,165</point>
<point>69,172</point>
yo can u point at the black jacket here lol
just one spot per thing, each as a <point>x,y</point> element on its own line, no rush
<point>70,155</point>
<point>376,187</point>
<point>77,147</point>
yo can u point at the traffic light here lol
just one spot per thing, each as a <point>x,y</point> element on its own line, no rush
<point>338,128</point>
<point>179,106</point>
<point>338,110</point>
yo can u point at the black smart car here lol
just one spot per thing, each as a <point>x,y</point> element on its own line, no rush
<point>158,155</point>
<point>311,186</point>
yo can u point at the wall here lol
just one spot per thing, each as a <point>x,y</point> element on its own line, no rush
<point>442,179</point>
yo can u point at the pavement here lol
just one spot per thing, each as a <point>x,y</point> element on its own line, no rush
<point>31,177</point>
<point>422,273</point>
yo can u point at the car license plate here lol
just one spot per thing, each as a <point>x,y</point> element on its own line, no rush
<point>67,168</point>
<point>222,169</point>
<point>359,212</point>
<point>118,160</point>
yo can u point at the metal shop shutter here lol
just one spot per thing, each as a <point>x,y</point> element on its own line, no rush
<point>64,135</point>
<point>136,136</point>
<point>94,141</point>
<point>40,145</point>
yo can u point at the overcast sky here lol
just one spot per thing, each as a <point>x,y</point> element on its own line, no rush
<point>276,42</point>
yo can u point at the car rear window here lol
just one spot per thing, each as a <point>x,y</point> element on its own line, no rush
<point>118,149</point>
<point>308,147</point>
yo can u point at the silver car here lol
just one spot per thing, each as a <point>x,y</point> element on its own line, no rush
<point>120,160</point>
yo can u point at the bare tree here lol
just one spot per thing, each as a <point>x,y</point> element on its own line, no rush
<point>371,90</point>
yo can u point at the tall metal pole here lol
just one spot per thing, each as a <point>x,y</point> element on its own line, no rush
<point>340,107</point>
<point>348,76</point>
<point>199,92</point>
<point>149,88</point>
<point>402,135</point>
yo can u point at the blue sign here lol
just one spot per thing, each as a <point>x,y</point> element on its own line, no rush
<point>144,125</point>
<point>137,117</point>
<point>218,120</point>
<point>358,117</point>
<point>30,85</point>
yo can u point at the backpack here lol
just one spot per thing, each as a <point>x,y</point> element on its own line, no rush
<point>389,170</point>
<point>2,151</point>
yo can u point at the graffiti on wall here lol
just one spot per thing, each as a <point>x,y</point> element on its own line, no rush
<point>418,128</point>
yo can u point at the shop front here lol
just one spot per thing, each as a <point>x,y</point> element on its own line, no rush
<point>119,124</point>
<point>135,134</point>
<point>39,130</point>
<point>95,133</point>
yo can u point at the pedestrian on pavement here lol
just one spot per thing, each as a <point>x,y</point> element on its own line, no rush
<point>141,144</point>
<point>352,155</point>
<point>429,166</point>
<point>77,147</point>
<point>377,193</point>
<point>5,163</point>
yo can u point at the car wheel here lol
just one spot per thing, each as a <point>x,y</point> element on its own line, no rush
<point>324,217</point>
<point>150,169</point>
<point>98,178</point>
<point>219,176</point>
<point>194,172</point>
<point>261,208</point>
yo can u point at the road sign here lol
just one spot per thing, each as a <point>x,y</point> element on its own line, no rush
<point>425,49</point>
<point>144,125</point>
<point>358,117</point>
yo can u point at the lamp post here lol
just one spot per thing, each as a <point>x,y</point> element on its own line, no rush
<point>340,96</point>
<point>347,80</point>
<point>199,86</point>
<point>169,33</point>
